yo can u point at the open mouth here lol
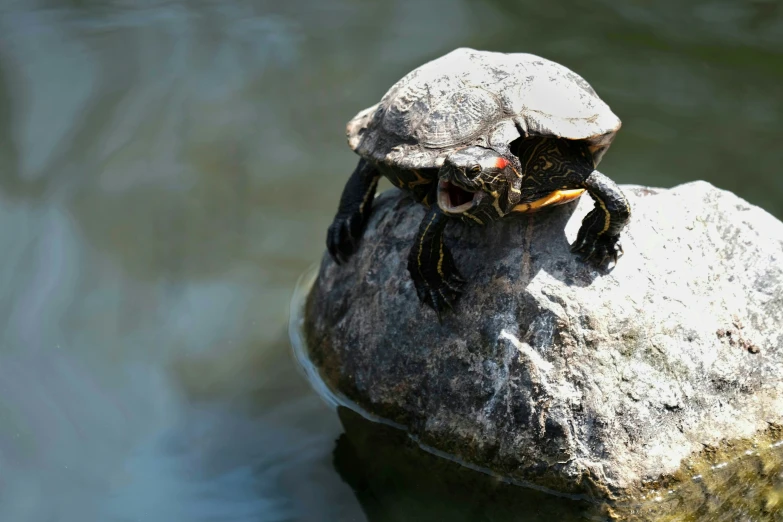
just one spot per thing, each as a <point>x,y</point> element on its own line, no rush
<point>453,199</point>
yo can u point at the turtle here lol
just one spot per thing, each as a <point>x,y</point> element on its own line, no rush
<point>475,137</point>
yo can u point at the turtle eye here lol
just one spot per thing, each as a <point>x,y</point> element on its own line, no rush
<point>475,169</point>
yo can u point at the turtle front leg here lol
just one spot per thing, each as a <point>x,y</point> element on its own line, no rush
<point>438,283</point>
<point>598,238</point>
<point>346,230</point>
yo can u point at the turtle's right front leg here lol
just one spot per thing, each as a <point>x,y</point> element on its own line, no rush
<point>437,281</point>
<point>598,237</point>
<point>352,214</point>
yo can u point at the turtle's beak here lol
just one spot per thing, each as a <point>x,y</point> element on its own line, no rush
<point>456,200</point>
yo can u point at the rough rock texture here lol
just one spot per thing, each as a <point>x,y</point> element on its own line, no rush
<point>550,371</point>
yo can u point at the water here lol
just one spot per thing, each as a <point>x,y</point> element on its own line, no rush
<point>167,171</point>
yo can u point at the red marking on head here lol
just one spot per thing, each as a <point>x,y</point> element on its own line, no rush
<point>501,163</point>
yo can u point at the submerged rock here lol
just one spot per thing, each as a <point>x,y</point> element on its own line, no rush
<point>551,372</point>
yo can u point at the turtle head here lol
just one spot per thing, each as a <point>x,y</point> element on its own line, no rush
<point>479,177</point>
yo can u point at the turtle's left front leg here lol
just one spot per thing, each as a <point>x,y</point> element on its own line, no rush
<point>437,281</point>
<point>346,230</point>
<point>598,238</point>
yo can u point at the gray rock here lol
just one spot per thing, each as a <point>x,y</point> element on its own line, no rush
<point>552,372</point>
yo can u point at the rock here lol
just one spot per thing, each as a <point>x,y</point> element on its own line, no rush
<point>551,372</point>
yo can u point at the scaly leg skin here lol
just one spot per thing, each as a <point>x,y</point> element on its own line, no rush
<point>597,240</point>
<point>346,230</point>
<point>437,281</point>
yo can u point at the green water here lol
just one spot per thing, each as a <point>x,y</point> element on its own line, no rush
<point>167,171</point>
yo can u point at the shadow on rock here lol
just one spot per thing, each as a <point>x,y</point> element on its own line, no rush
<point>540,236</point>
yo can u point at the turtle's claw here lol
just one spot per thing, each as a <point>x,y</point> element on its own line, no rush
<point>439,301</point>
<point>457,278</point>
<point>343,236</point>
<point>436,291</point>
<point>601,251</point>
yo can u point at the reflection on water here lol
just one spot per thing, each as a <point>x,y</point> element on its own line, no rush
<point>395,480</point>
<point>168,169</point>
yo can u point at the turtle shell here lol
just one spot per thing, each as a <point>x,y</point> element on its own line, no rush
<point>470,97</point>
